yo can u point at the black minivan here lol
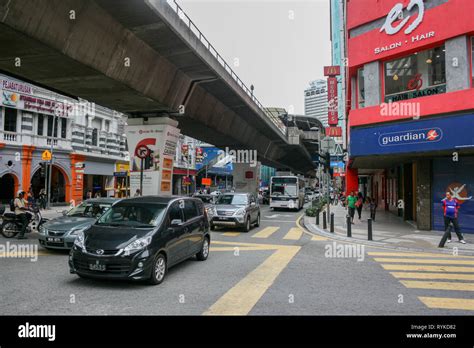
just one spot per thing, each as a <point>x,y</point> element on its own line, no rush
<point>141,238</point>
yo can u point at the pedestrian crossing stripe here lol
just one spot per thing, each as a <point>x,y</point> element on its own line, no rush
<point>378,253</point>
<point>453,269</point>
<point>295,233</point>
<point>318,238</point>
<point>266,232</point>
<point>432,271</point>
<point>448,303</point>
<point>231,234</point>
<point>417,284</point>
<point>419,275</point>
<point>426,261</point>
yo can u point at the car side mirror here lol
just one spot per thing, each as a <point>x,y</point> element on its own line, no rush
<point>176,222</point>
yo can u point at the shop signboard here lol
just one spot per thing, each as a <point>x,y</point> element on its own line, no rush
<point>434,134</point>
<point>161,141</point>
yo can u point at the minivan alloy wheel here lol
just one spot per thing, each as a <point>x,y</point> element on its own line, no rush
<point>160,268</point>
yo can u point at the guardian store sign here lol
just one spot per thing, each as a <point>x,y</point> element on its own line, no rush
<point>434,134</point>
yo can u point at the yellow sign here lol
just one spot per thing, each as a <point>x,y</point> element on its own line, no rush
<point>120,167</point>
<point>46,156</point>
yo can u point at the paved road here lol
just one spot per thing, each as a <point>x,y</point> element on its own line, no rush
<point>275,269</point>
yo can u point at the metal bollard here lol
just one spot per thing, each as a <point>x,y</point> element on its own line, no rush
<point>325,222</point>
<point>331,227</point>
<point>349,226</point>
<point>317,217</point>
<point>369,226</point>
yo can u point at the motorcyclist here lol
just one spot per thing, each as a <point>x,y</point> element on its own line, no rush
<point>21,208</point>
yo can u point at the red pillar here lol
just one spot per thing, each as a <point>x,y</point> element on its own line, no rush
<point>352,180</point>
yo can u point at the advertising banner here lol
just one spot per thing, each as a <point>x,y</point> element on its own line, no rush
<point>456,178</point>
<point>333,118</point>
<point>161,141</point>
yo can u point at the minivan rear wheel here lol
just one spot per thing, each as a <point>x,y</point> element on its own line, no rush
<point>159,270</point>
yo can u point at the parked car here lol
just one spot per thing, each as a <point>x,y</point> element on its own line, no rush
<point>61,232</point>
<point>209,203</point>
<point>236,210</point>
<point>141,238</point>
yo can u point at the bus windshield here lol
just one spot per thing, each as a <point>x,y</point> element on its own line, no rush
<point>284,187</point>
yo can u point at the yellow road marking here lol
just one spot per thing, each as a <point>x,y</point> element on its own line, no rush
<point>266,232</point>
<point>263,246</point>
<point>376,253</point>
<point>236,247</point>
<point>428,268</point>
<point>438,285</point>
<point>463,262</point>
<point>294,234</point>
<point>317,238</point>
<point>448,303</point>
<point>241,298</point>
<point>231,234</point>
<point>417,275</point>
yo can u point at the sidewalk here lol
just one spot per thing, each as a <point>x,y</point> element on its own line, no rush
<point>388,231</point>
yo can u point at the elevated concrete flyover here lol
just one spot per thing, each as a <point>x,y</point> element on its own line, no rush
<point>146,59</point>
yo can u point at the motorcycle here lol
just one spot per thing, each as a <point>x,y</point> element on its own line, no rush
<point>11,224</point>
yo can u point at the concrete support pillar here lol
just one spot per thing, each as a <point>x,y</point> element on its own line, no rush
<point>423,194</point>
<point>246,176</point>
<point>352,180</point>
<point>457,64</point>
<point>372,84</point>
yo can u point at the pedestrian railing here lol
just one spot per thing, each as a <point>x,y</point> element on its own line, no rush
<point>190,24</point>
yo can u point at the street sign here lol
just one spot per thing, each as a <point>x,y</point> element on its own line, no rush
<point>337,150</point>
<point>142,151</point>
<point>328,144</point>
<point>46,155</point>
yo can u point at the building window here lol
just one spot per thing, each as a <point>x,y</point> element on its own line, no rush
<point>40,128</point>
<point>63,128</point>
<point>95,133</point>
<point>10,120</point>
<point>418,75</point>
<point>361,87</point>
<point>50,127</point>
<point>107,126</point>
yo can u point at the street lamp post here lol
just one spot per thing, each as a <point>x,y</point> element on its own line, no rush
<point>48,189</point>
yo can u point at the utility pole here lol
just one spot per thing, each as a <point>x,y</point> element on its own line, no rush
<point>48,190</point>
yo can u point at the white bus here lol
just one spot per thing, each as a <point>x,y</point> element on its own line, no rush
<point>286,192</point>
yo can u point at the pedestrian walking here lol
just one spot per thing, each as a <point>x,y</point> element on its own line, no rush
<point>351,201</point>
<point>359,204</point>
<point>42,198</point>
<point>372,207</point>
<point>89,194</point>
<point>450,211</point>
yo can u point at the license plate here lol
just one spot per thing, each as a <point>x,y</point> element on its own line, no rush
<point>223,218</point>
<point>54,239</point>
<point>97,266</point>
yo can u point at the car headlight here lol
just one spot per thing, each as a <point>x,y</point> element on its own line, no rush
<point>42,230</point>
<point>74,232</point>
<point>240,212</point>
<point>138,244</point>
<point>79,241</point>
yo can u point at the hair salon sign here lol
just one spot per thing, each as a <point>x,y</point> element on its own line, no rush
<point>396,22</point>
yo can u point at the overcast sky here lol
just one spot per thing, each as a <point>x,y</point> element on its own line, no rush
<point>280,45</point>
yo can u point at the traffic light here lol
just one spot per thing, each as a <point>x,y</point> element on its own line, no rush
<point>42,169</point>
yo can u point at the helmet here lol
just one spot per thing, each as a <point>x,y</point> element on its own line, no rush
<point>20,192</point>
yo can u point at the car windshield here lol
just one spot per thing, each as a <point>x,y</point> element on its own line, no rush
<point>89,209</point>
<point>136,215</point>
<point>233,199</point>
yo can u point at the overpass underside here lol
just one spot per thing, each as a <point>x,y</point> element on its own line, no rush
<point>140,58</point>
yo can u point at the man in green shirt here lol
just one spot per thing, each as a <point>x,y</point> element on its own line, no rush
<point>351,201</point>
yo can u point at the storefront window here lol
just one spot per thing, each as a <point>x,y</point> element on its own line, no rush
<point>361,87</point>
<point>10,120</point>
<point>95,132</point>
<point>472,58</point>
<point>418,75</point>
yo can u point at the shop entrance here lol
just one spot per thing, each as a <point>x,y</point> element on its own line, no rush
<point>58,184</point>
<point>8,185</point>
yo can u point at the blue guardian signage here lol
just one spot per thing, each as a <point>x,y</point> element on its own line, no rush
<point>434,134</point>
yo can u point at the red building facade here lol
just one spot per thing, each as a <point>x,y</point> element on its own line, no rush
<point>411,118</point>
